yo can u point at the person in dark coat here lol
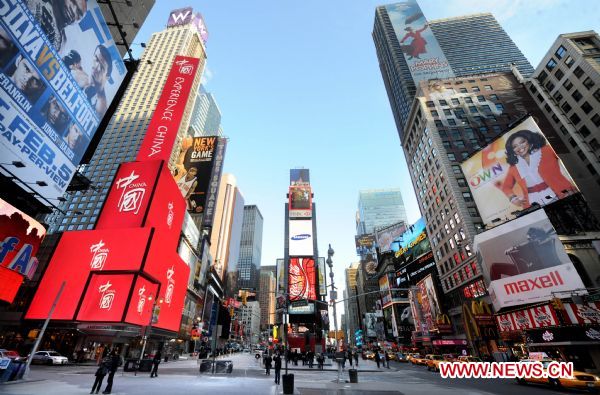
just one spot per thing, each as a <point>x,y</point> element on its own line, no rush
<point>268,361</point>
<point>115,361</point>
<point>277,360</point>
<point>377,358</point>
<point>349,356</point>
<point>155,363</point>
<point>355,353</point>
<point>100,373</point>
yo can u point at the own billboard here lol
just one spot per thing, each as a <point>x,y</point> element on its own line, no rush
<point>421,50</point>
<point>514,172</point>
<point>412,244</point>
<point>300,203</point>
<point>20,238</point>
<point>59,72</point>
<point>384,237</point>
<point>194,170</point>
<point>524,262</point>
<point>301,238</point>
<point>302,278</point>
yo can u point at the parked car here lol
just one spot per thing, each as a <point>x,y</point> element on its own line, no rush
<point>49,358</point>
<point>4,353</point>
<point>579,380</point>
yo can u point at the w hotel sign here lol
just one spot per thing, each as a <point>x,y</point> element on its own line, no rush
<point>112,273</point>
<point>182,16</point>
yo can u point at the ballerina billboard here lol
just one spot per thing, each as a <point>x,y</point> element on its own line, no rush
<point>422,52</point>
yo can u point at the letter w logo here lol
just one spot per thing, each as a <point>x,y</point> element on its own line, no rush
<point>180,17</point>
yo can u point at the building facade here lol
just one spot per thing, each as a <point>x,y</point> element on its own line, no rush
<point>266,297</point>
<point>250,321</point>
<point>471,44</point>
<point>352,316</point>
<point>378,208</point>
<point>206,116</point>
<point>566,86</point>
<point>248,267</point>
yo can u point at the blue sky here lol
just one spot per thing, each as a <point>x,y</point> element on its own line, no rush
<point>298,84</point>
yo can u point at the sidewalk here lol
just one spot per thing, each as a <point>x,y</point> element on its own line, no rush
<point>364,365</point>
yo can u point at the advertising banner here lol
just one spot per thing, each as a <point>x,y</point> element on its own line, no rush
<point>82,252</point>
<point>105,298</point>
<point>302,279</point>
<point>57,81</point>
<point>364,244</point>
<point>20,238</point>
<point>422,52</point>
<point>300,239</point>
<point>514,172</point>
<point>194,170</point>
<point>300,204</point>
<point>583,313</point>
<point>142,299</point>
<point>10,281</point>
<point>412,243</point>
<point>164,125</point>
<point>386,236</point>
<point>180,16</point>
<point>322,277</point>
<point>299,177</point>
<point>281,288</point>
<point>371,324</point>
<point>213,186</point>
<point>531,318</point>
<point>524,261</point>
<point>384,288</point>
<point>415,271</point>
<point>429,302</point>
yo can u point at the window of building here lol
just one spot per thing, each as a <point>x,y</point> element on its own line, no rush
<point>473,212</point>
<point>576,95</point>
<point>456,169</point>
<point>439,123</point>
<point>443,103</point>
<point>468,100</point>
<point>586,107</point>
<point>430,104</point>
<point>588,83</point>
<point>493,96</point>
<point>455,102</point>
<point>462,182</point>
<point>551,64</point>
<point>559,74</point>
<point>475,89</point>
<point>467,196</point>
<point>569,61</point>
<point>500,107</point>
<point>473,109</point>
<point>597,95</point>
<point>558,96</point>
<point>568,84</point>
<point>434,113</point>
<point>584,131</point>
<point>447,112</point>
<point>451,157</point>
<point>451,122</point>
<point>595,145</point>
<point>560,52</point>
<point>596,120</point>
<point>566,107</point>
<point>488,87</point>
<point>463,90</point>
<point>542,76</point>
<point>549,85</point>
<point>459,144</point>
<point>446,144</point>
<point>575,119</point>
<point>578,72</point>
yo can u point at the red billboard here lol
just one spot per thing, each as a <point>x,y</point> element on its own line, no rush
<point>302,279</point>
<point>10,281</point>
<point>105,298</point>
<point>20,238</point>
<point>163,128</point>
<point>76,255</point>
<point>142,299</point>
<point>300,201</point>
<point>128,198</point>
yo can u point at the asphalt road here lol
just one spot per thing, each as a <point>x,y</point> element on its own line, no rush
<point>182,377</point>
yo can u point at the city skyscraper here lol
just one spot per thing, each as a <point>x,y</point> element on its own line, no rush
<point>206,116</point>
<point>471,44</point>
<point>378,208</point>
<point>250,249</point>
<point>566,85</point>
<point>125,131</point>
<point>266,297</point>
<point>351,304</point>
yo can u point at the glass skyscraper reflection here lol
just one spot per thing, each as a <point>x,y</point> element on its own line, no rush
<point>378,208</point>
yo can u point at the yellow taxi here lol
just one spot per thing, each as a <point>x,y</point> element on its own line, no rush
<point>369,354</point>
<point>422,360</point>
<point>468,358</point>
<point>411,357</point>
<point>434,363</point>
<point>579,380</point>
<point>431,361</point>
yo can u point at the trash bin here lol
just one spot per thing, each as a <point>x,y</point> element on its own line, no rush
<point>288,383</point>
<point>353,373</point>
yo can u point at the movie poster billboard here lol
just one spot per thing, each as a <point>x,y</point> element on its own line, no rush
<point>302,278</point>
<point>524,262</point>
<point>371,324</point>
<point>514,172</point>
<point>384,237</point>
<point>20,238</point>
<point>280,287</point>
<point>365,244</point>
<point>412,244</point>
<point>421,50</point>
<point>429,302</point>
<point>57,82</point>
<point>194,170</point>
<point>300,203</point>
<point>322,277</point>
<point>384,289</point>
<point>301,237</point>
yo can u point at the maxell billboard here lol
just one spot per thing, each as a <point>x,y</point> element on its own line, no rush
<point>524,262</point>
<point>514,172</point>
<point>57,81</point>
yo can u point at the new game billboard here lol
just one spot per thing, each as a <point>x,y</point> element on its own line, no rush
<point>302,278</point>
<point>412,244</point>
<point>514,172</point>
<point>195,170</point>
<point>524,261</point>
<point>57,81</point>
<point>422,52</point>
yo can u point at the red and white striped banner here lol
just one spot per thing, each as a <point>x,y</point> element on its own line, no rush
<point>532,318</point>
<point>586,313</point>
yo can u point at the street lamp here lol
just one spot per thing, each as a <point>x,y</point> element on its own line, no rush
<point>333,293</point>
<point>148,328</point>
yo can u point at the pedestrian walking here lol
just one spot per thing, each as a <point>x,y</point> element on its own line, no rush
<point>355,354</point>
<point>377,358</point>
<point>115,361</point>
<point>386,359</point>
<point>350,357</point>
<point>311,359</point>
<point>268,361</point>
<point>320,361</point>
<point>155,363</point>
<point>100,373</point>
<point>277,360</point>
